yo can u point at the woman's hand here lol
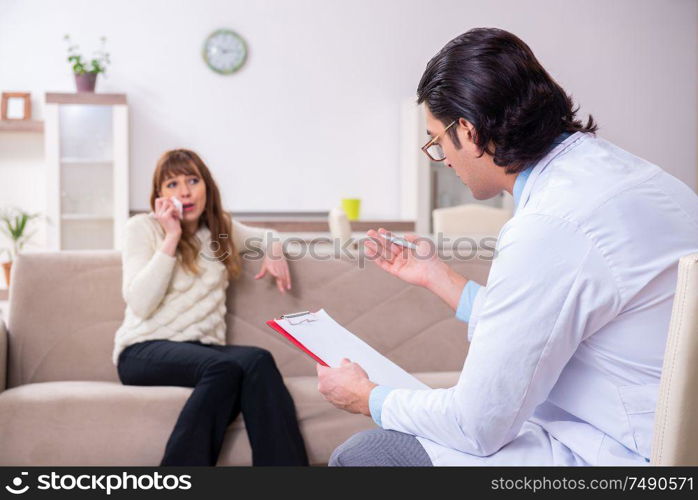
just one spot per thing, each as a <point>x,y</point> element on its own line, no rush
<point>167,215</point>
<point>276,265</point>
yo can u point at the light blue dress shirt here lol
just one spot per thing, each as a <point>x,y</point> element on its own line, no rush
<point>467,298</point>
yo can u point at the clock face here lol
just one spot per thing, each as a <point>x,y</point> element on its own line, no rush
<point>225,51</point>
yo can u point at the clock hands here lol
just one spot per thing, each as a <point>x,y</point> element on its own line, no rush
<point>224,51</point>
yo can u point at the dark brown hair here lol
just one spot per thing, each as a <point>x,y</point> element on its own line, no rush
<point>491,78</point>
<point>186,162</point>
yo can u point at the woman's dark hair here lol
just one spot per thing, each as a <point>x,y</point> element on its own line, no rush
<point>491,78</point>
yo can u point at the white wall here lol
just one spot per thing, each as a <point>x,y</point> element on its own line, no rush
<point>314,114</point>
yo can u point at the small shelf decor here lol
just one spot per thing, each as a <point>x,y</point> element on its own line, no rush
<point>85,70</point>
<point>16,106</point>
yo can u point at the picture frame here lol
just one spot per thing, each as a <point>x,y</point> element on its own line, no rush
<point>16,106</point>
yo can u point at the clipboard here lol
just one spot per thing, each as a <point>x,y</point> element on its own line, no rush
<point>273,324</point>
<point>323,339</point>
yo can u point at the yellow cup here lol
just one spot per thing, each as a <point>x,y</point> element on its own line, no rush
<point>351,207</point>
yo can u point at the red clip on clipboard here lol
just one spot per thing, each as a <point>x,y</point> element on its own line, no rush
<point>273,324</point>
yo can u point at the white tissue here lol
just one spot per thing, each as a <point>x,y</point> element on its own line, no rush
<point>178,205</point>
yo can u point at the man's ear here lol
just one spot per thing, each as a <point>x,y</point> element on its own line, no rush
<point>466,131</point>
<point>468,128</point>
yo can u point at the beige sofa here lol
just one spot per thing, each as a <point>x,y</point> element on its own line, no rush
<point>62,403</point>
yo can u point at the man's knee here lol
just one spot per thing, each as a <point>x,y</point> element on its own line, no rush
<point>380,448</point>
<point>337,459</point>
<point>350,453</point>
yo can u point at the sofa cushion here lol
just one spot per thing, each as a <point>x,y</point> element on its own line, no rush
<point>74,422</point>
<point>66,307</point>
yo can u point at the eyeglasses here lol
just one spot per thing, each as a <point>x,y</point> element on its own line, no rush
<point>433,150</point>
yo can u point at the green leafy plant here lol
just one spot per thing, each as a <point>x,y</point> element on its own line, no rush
<point>14,223</point>
<point>98,63</point>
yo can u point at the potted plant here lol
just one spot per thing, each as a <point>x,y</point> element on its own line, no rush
<point>13,223</point>
<point>86,71</point>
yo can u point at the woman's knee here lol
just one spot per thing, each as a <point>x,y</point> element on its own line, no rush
<point>261,354</point>
<point>224,368</point>
<point>258,358</point>
<point>126,375</point>
<point>257,364</point>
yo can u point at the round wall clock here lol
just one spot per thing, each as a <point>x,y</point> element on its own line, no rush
<point>225,51</point>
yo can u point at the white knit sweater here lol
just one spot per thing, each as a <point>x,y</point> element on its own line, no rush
<point>165,301</point>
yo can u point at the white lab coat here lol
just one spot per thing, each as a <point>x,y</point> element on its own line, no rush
<point>568,336</point>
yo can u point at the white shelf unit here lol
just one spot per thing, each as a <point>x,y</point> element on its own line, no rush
<point>87,158</point>
<point>426,185</point>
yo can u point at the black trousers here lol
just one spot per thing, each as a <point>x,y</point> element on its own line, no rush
<point>227,380</point>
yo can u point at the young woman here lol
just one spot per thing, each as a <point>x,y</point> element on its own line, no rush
<point>175,275</point>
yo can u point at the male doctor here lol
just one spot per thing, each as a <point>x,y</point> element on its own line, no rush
<point>567,337</point>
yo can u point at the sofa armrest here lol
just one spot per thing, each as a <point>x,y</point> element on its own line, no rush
<point>3,355</point>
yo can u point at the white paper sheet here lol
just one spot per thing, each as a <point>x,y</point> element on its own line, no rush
<point>331,342</point>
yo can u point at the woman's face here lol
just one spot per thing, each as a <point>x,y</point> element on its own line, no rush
<point>190,189</point>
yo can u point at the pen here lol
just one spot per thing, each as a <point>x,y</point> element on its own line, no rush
<point>399,241</point>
